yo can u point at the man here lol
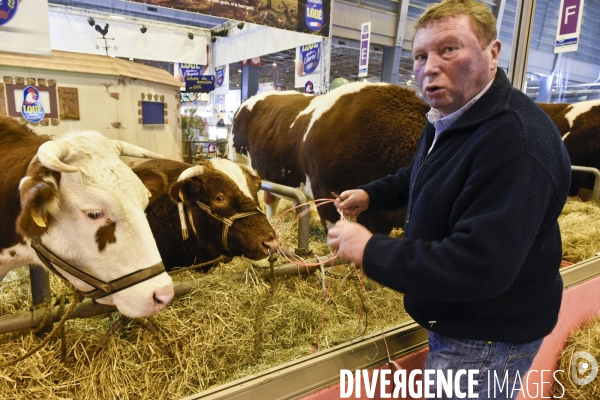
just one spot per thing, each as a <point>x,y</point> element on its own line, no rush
<point>479,259</point>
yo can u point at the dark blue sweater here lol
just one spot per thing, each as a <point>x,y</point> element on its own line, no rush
<point>481,250</point>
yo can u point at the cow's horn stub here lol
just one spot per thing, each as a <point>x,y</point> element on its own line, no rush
<point>191,172</point>
<point>52,152</point>
<point>128,149</point>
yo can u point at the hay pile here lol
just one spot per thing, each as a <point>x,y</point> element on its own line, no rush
<point>580,230</point>
<point>231,325</point>
<point>586,338</point>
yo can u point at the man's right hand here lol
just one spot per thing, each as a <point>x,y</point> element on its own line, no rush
<point>352,202</point>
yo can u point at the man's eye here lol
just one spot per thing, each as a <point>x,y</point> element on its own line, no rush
<point>450,49</point>
<point>95,214</point>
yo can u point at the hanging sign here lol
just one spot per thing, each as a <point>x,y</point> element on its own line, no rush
<point>569,26</point>
<point>24,27</point>
<point>32,109</point>
<point>306,16</point>
<point>202,83</point>
<point>309,66</point>
<point>212,150</point>
<point>365,39</point>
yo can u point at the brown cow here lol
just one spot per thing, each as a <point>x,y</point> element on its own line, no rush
<point>350,136</point>
<point>75,198</point>
<point>229,191</point>
<point>579,125</point>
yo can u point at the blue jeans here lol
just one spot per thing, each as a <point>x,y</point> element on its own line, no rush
<point>498,364</point>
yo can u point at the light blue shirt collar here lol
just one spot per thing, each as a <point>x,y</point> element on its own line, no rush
<point>441,123</point>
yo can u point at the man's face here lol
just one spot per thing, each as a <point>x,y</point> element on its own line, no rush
<point>449,64</point>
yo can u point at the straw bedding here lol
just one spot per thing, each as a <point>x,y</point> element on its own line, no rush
<point>231,325</point>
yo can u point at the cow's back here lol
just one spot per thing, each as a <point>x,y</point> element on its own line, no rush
<point>361,136</point>
<point>18,145</point>
<point>262,129</point>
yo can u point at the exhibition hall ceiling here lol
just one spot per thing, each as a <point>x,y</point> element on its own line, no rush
<point>277,67</point>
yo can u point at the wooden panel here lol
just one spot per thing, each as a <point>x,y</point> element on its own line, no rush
<point>2,100</point>
<point>68,102</point>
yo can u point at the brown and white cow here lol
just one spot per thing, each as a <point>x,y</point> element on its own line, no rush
<point>214,194</point>
<point>350,136</point>
<point>579,125</point>
<point>74,197</point>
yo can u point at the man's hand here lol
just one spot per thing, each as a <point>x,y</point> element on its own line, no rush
<point>352,202</point>
<point>349,239</point>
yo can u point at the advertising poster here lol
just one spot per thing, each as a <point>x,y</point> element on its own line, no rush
<point>365,39</point>
<point>24,26</point>
<point>222,79</point>
<point>306,16</point>
<point>308,67</point>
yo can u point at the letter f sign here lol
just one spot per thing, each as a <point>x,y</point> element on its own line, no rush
<point>570,10</point>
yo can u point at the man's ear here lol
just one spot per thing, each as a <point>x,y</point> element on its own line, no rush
<point>40,201</point>
<point>155,181</point>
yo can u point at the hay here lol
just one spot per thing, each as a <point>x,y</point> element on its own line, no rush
<point>580,229</point>
<point>586,338</point>
<point>225,329</point>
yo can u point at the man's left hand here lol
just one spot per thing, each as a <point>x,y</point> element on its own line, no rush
<point>349,239</point>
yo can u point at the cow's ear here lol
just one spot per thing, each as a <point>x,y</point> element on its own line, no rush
<point>40,200</point>
<point>176,192</point>
<point>253,175</point>
<point>155,181</point>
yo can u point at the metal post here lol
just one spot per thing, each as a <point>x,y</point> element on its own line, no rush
<point>596,191</point>
<point>300,198</point>
<point>40,293</point>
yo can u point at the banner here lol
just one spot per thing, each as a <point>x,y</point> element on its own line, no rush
<point>222,80</point>
<point>569,26</point>
<point>306,16</point>
<point>106,36</point>
<point>308,67</point>
<point>365,39</point>
<point>24,27</point>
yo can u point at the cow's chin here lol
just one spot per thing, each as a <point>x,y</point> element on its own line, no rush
<point>144,299</point>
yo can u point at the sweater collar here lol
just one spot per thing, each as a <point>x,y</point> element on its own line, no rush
<point>493,102</point>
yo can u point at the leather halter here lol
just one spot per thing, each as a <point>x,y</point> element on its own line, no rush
<point>101,288</point>
<point>227,221</point>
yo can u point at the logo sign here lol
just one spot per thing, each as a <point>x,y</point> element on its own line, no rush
<point>8,9</point>
<point>200,84</point>
<point>32,109</point>
<point>569,26</point>
<point>308,87</point>
<point>584,368</point>
<point>212,150</point>
<point>314,17</point>
<point>220,71</point>
<point>310,56</point>
<point>365,39</point>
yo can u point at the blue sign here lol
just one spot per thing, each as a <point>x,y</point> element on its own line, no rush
<point>32,109</point>
<point>310,55</point>
<point>315,17</point>
<point>8,9</point>
<point>220,71</point>
<point>200,84</point>
<point>212,150</point>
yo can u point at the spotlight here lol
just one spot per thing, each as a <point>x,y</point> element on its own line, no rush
<point>213,39</point>
<point>191,36</point>
<point>241,26</point>
<point>143,29</point>
<point>91,21</point>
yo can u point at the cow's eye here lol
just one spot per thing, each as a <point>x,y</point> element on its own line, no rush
<point>95,214</point>
<point>219,198</point>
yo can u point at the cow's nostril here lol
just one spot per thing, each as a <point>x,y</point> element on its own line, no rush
<point>270,246</point>
<point>162,297</point>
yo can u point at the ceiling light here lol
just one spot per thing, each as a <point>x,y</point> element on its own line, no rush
<point>274,64</point>
<point>117,17</point>
<point>143,29</point>
<point>239,70</point>
<point>91,21</point>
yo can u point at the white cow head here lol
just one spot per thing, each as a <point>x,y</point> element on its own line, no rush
<point>87,206</point>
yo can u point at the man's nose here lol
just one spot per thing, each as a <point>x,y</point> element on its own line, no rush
<point>432,65</point>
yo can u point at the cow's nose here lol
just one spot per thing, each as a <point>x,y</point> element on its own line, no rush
<point>163,296</point>
<point>270,246</point>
